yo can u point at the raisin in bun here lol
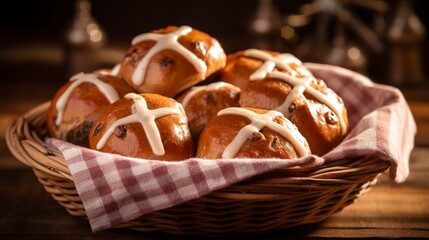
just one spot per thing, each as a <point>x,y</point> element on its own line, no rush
<point>148,126</point>
<point>282,83</point>
<point>251,133</point>
<point>78,103</point>
<point>202,103</point>
<point>170,60</point>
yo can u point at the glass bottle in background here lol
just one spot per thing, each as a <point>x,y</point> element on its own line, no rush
<point>345,53</point>
<point>84,39</point>
<point>265,26</point>
<point>405,37</point>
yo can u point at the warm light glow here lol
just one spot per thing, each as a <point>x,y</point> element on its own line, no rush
<point>353,53</point>
<point>287,32</point>
<point>261,25</point>
<point>95,35</point>
<point>297,20</point>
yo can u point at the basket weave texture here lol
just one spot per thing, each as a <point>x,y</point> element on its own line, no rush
<point>271,201</point>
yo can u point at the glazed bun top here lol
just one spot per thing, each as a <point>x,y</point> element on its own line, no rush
<point>148,126</point>
<point>251,133</point>
<point>78,103</point>
<point>170,60</point>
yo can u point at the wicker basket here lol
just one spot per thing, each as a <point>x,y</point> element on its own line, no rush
<point>271,201</point>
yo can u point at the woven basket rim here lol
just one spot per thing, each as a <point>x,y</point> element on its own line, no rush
<point>353,177</point>
<point>21,136</point>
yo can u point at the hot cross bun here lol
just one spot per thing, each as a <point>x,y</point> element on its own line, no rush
<point>170,60</point>
<point>148,126</point>
<point>78,103</point>
<point>281,82</point>
<point>251,133</point>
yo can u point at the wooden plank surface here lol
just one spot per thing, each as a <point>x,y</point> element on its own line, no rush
<point>420,111</point>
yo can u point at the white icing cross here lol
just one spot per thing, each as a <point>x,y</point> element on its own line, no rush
<point>109,92</point>
<point>113,72</point>
<point>211,87</point>
<point>165,41</point>
<point>141,114</point>
<point>281,61</point>
<point>300,83</point>
<point>259,121</point>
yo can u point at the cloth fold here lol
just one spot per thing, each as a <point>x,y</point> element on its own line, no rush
<point>116,189</point>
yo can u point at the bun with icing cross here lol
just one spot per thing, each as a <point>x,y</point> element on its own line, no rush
<point>281,82</point>
<point>170,60</point>
<point>148,126</point>
<point>202,103</point>
<point>251,133</point>
<point>78,103</point>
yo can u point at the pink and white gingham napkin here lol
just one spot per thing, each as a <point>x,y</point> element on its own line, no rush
<point>116,189</point>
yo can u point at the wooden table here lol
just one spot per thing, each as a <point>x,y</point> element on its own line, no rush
<point>26,210</point>
<point>388,210</point>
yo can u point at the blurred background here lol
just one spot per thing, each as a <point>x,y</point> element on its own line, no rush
<point>43,43</point>
<point>385,40</point>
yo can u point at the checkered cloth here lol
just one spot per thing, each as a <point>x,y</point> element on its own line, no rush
<point>116,189</point>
